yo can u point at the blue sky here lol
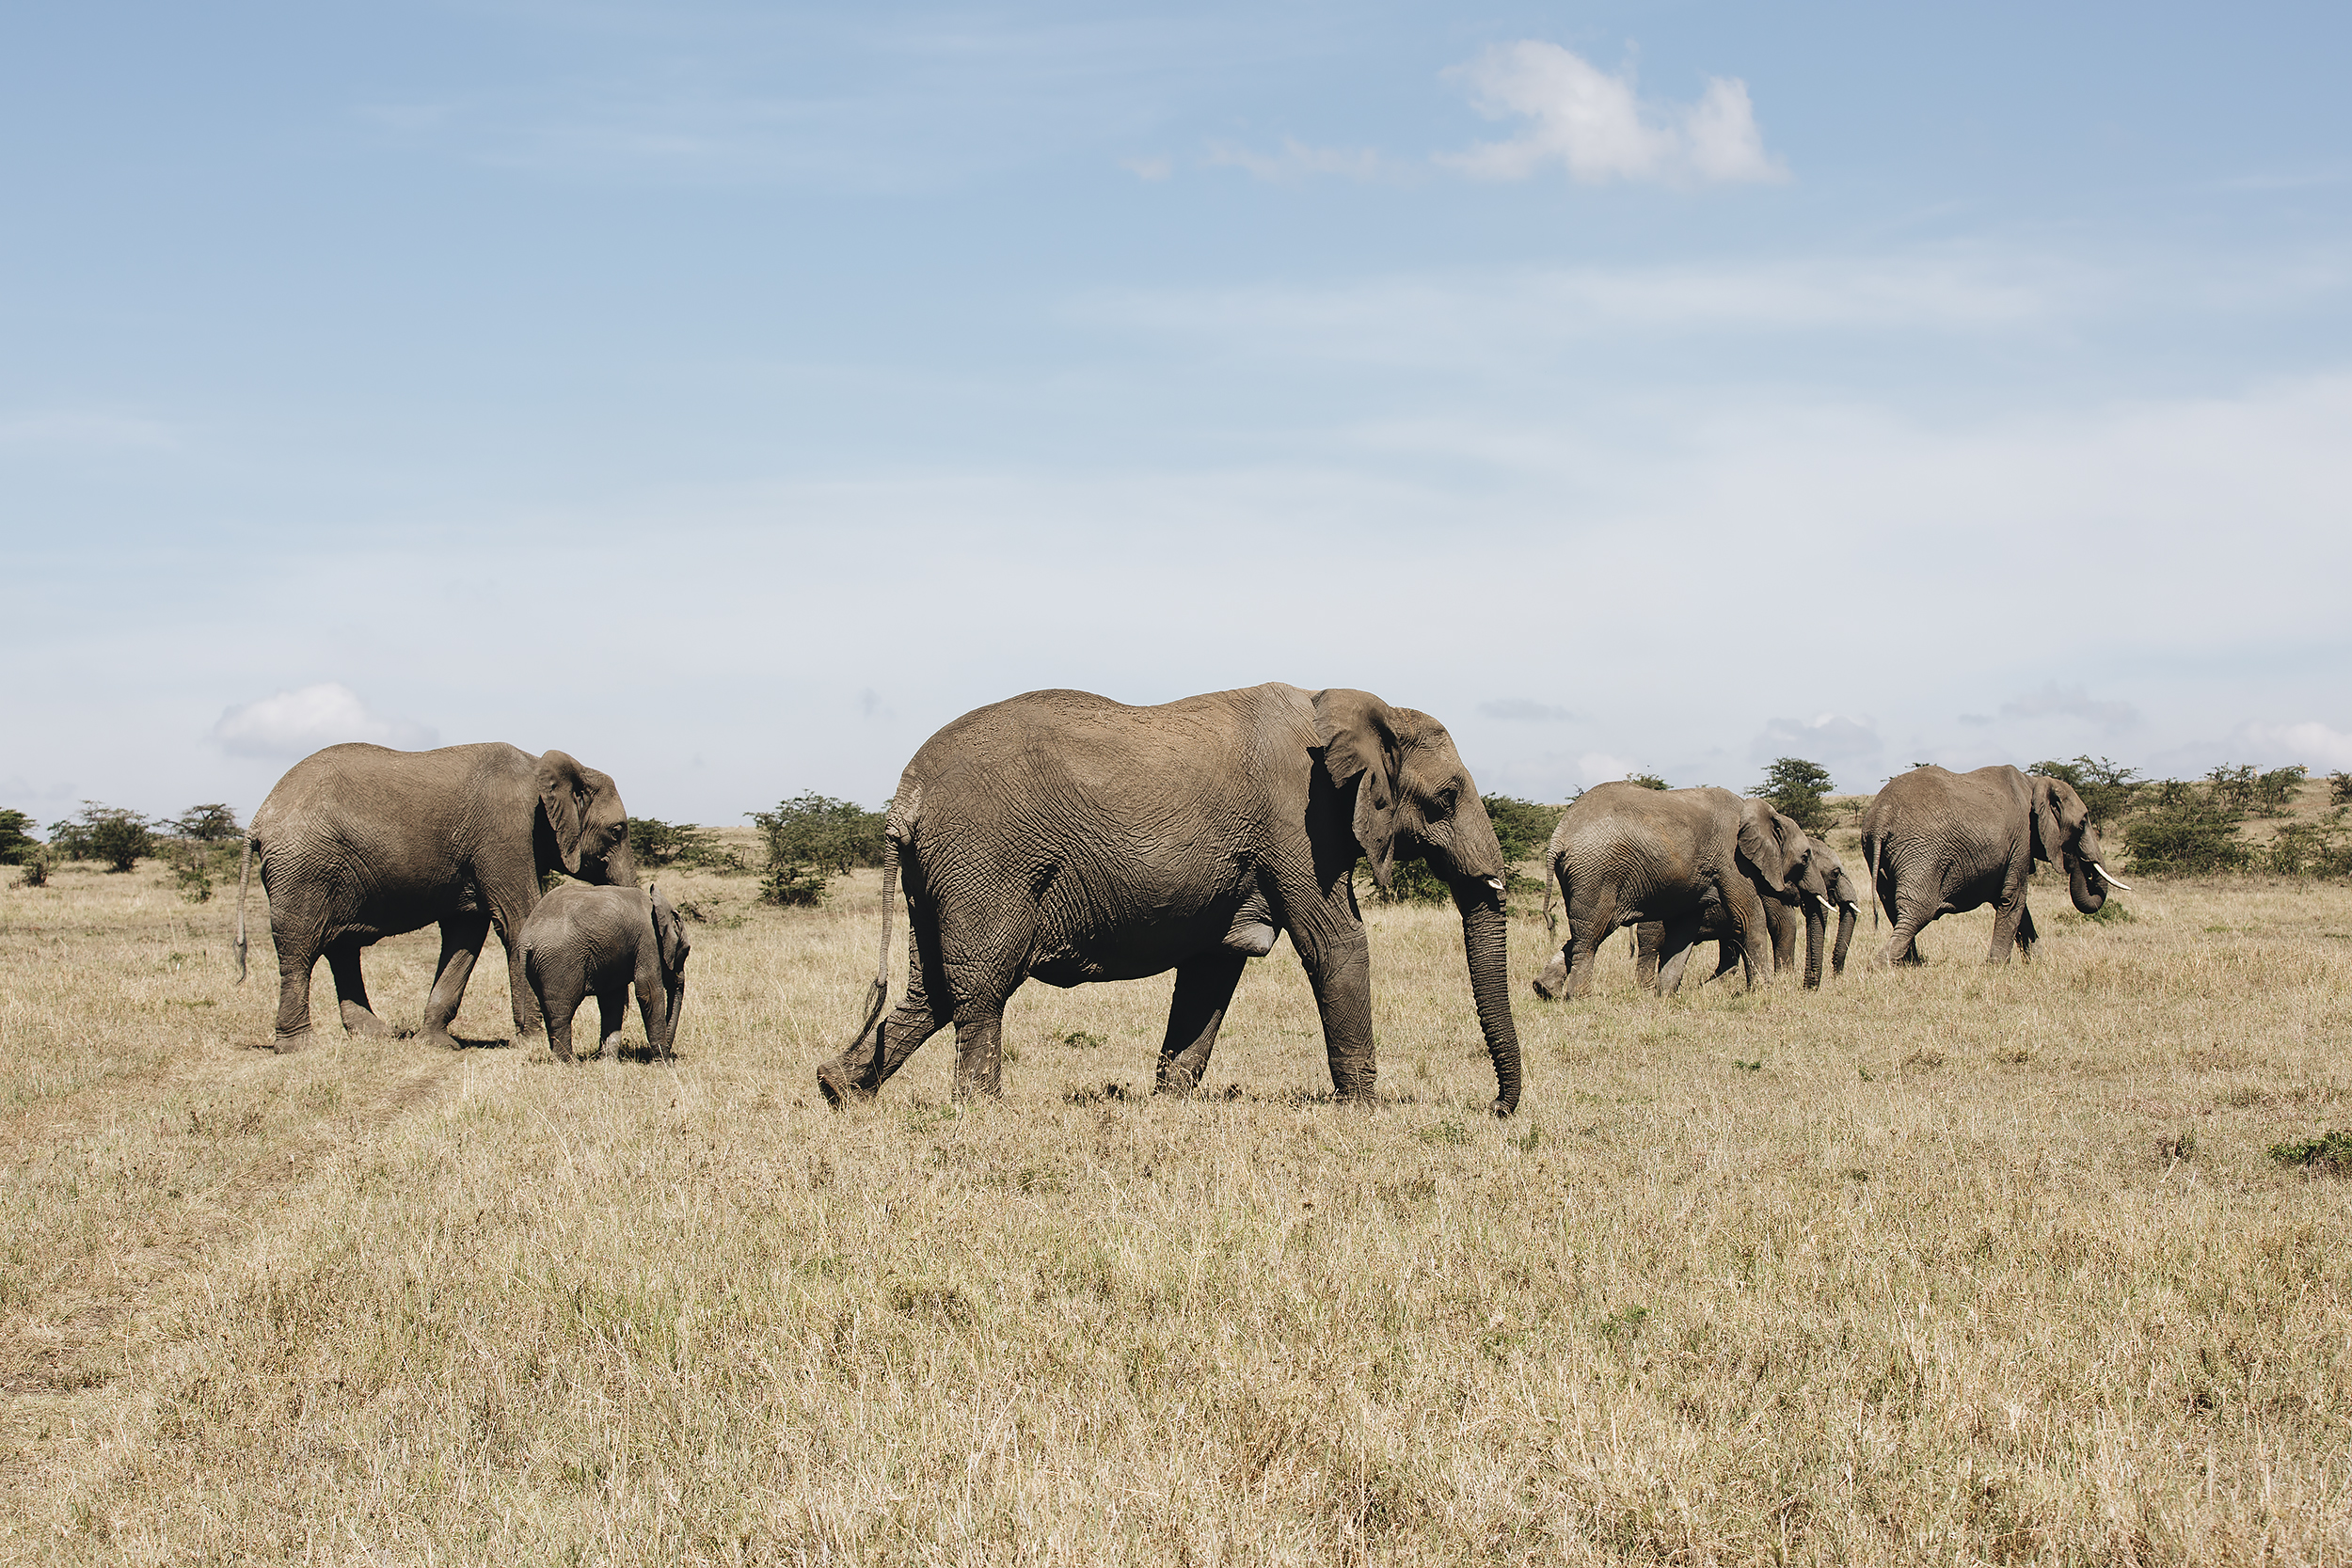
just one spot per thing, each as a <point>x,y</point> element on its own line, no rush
<point>731,395</point>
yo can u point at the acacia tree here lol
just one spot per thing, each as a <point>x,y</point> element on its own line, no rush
<point>1798,790</point>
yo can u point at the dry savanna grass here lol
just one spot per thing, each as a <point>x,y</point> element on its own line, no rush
<point>1955,1265</point>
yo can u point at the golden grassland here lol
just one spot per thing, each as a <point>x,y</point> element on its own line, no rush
<point>1956,1264</point>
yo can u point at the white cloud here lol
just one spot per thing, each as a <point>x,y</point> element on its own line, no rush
<point>1297,160</point>
<point>296,723</point>
<point>1593,125</point>
<point>1147,168</point>
<point>2315,745</point>
<point>1523,710</point>
<point>2071,701</point>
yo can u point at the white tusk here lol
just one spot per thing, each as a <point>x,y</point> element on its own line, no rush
<point>2109,876</point>
<point>1827,908</point>
<point>1495,882</point>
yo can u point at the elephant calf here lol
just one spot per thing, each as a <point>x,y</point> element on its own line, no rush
<point>602,940</point>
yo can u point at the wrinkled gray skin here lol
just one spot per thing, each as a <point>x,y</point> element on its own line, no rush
<point>1624,855</point>
<point>602,940</point>
<point>1068,837</point>
<point>1943,843</point>
<point>358,842</point>
<point>1782,913</point>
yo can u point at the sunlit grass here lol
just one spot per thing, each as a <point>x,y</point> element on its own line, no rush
<point>1959,1263</point>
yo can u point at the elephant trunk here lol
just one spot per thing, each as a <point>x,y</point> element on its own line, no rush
<point>2085,885</point>
<point>1847,920</point>
<point>667,1044</point>
<point>1815,925</point>
<point>1485,931</point>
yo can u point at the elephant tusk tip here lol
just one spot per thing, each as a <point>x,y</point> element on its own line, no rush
<point>1495,882</point>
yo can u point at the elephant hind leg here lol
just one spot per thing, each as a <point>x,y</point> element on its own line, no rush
<point>296,961</point>
<point>1204,987</point>
<point>351,991</point>
<point>462,936</point>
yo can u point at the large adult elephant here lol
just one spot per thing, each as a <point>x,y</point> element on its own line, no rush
<point>1624,854</point>
<point>359,842</point>
<point>1799,906</point>
<point>1068,837</point>
<point>1942,842</point>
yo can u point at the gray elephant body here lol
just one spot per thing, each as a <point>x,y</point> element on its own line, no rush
<point>600,940</point>
<point>1785,913</point>
<point>1068,837</point>
<point>1626,855</point>
<point>358,843</point>
<point>1941,842</point>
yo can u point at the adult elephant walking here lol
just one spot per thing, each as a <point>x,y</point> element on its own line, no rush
<point>1624,854</point>
<point>359,842</point>
<point>1800,905</point>
<point>1068,837</point>
<point>1942,842</point>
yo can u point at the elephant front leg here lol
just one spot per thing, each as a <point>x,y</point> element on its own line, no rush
<point>2008,916</point>
<point>1338,968</point>
<point>2026,935</point>
<point>1204,987</point>
<point>351,993</point>
<point>462,936</point>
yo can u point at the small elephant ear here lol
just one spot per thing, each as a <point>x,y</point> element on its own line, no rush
<point>2049,843</point>
<point>560,788</point>
<point>1762,846</point>
<point>669,930</point>
<point>1358,734</point>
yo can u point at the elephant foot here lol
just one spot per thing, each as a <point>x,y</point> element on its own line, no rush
<point>286,1045</point>
<point>1501,1108</point>
<point>441,1038</point>
<point>359,1021</point>
<point>1175,1078</point>
<point>840,1089</point>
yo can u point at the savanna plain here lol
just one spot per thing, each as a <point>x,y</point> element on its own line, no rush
<point>1953,1264</point>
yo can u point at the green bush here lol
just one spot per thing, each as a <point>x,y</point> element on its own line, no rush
<point>656,842</point>
<point>792,885</point>
<point>1522,827</point>
<point>2275,791</point>
<point>2330,1152</point>
<point>828,835</point>
<point>35,866</point>
<point>213,823</point>
<point>16,844</point>
<point>2340,788</point>
<point>2309,850</point>
<point>1798,790</point>
<point>108,834</point>
<point>2183,832</point>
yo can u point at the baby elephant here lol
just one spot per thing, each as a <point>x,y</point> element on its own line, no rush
<point>602,939</point>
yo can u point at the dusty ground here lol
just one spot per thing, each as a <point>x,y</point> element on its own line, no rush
<point>1951,1265</point>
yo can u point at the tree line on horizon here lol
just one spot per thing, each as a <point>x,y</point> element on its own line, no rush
<point>2168,827</point>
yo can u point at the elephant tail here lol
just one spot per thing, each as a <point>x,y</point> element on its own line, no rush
<point>882,963</point>
<point>1551,883</point>
<point>245,866</point>
<point>1870,863</point>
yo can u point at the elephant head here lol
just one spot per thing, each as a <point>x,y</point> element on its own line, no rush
<point>1410,784</point>
<point>669,930</point>
<point>583,827</point>
<point>1779,853</point>
<point>2064,835</point>
<point>1846,894</point>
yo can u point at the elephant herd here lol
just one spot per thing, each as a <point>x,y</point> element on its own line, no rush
<point>1065,837</point>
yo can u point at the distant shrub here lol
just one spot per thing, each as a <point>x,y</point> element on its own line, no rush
<point>1798,790</point>
<point>1647,781</point>
<point>817,830</point>
<point>1410,881</point>
<point>2274,791</point>
<point>213,823</point>
<point>2309,850</point>
<point>191,870</point>
<point>16,844</point>
<point>35,866</point>
<point>2183,832</point>
<point>792,886</point>
<point>2340,788</point>
<point>1522,827</point>
<point>656,842</point>
<point>108,834</point>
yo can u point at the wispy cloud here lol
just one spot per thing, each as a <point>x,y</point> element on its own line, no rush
<point>1826,737</point>
<point>1594,124</point>
<point>296,723</point>
<point>1297,160</point>
<point>1524,710</point>
<point>2070,702</point>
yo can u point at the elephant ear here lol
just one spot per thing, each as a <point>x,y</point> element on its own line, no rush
<point>560,785</point>
<point>1765,843</point>
<point>669,930</point>
<point>1359,738</point>
<point>2049,840</point>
